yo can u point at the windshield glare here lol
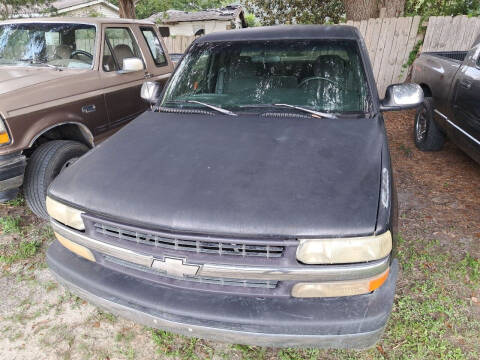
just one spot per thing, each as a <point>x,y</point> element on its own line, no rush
<point>56,44</point>
<point>320,75</point>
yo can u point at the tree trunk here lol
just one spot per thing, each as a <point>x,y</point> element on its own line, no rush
<point>127,9</point>
<point>394,8</point>
<point>361,9</point>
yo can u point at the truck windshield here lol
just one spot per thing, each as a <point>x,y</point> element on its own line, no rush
<point>47,44</point>
<point>320,75</point>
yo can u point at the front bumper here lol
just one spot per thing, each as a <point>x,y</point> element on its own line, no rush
<point>342,322</point>
<point>12,169</point>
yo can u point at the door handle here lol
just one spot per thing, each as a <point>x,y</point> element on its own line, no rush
<point>88,109</point>
<point>148,75</point>
<point>467,84</point>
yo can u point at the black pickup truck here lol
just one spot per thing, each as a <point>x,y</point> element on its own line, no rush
<point>451,84</point>
<point>254,204</point>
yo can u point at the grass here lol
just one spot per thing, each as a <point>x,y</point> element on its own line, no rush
<point>181,347</point>
<point>20,251</point>
<point>10,225</point>
<point>407,152</point>
<point>34,236</point>
<point>18,201</point>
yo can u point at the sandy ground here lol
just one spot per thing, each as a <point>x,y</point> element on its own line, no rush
<point>439,197</point>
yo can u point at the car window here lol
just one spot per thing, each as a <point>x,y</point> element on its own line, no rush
<point>85,39</point>
<point>323,75</point>
<point>119,45</point>
<point>47,44</point>
<point>154,46</point>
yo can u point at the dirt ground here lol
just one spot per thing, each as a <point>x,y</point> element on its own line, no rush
<point>436,312</point>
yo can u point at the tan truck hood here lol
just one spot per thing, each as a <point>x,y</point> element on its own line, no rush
<point>25,86</point>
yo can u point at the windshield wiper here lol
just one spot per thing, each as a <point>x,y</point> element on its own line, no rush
<point>213,107</point>
<point>313,112</point>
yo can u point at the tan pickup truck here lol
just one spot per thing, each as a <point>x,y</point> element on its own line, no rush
<point>65,85</point>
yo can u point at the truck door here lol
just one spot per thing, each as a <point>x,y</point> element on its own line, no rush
<point>466,99</point>
<point>122,90</point>
<point>158,65</point>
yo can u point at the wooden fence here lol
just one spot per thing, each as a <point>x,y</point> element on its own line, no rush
<point>389,42</point>
<point>178,44</point>
<point>446,33</point>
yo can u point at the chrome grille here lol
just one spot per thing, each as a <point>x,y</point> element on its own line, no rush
<point>266,284</point>
<point>193,245</point>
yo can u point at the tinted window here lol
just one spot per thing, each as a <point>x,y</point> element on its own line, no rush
<point>318,74</point>
<point>154,46</point>
<point>119,45</point>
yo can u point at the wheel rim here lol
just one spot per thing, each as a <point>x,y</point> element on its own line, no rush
<point>421,126</point>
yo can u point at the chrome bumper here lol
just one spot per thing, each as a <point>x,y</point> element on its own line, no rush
<point>301,273</point>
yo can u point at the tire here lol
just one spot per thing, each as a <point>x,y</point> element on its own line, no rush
<point>426,133</point>
<point>43,166</point>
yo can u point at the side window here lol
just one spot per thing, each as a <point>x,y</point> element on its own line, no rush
<point>154,46</point>
<point>85,40</point>
<point>119,45</point>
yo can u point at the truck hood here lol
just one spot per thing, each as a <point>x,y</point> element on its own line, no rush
<point>245,175</point>
<point>19,84</point>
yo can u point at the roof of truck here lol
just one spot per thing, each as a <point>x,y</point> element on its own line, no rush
<point>78,20</point>
<point>283,32</point>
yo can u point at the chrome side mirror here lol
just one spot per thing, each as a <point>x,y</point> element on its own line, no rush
<point>131,65</point>
<point>401,97</point>
<point>150,92</point>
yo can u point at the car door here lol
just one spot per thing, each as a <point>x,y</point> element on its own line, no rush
<point>466,98</point>
<point>121,89</point>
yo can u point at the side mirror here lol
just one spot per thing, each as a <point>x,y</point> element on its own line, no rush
<point>131,65</point>
<point>401,97</point>
<point>150,92</point>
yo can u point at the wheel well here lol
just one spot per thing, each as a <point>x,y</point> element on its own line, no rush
<point>426,90</point>
<point>76,132</point>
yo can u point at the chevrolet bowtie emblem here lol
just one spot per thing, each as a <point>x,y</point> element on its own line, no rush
<point>175,267</point>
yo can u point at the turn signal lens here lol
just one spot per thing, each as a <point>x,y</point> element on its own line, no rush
<point>344,250</point>
<point>4,138</point>
<point>76,248</point>
<point>339,288</point>
<point>65,214</point>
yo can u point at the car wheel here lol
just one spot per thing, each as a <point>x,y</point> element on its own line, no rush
<point>426,132</point>
<point>43,166</point>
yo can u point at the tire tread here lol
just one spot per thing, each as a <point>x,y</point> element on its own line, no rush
<point>41,169</point>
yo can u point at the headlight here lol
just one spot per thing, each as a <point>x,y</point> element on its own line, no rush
<point>344,250</point>
<point>76,248</point>
<point>339,288</point>
<point>4,137</point>
<point>65,214</point>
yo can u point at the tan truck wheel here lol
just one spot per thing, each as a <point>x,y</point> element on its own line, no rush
<point>43,166</point>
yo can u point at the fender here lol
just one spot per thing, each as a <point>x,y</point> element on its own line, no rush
<point>84,130</point>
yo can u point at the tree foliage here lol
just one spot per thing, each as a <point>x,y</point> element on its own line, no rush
<point>146,8</point>
<point>12,7</point>
<point>271,12</point>
<point>442,7</point>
